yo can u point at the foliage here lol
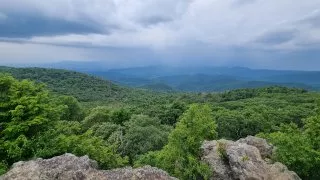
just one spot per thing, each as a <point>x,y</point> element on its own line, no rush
<point>99,114</point>
<point>172,112</point>
<point>95,147</point>
<point>297,149</point>
<point>222,151</point>
<point>61,140</point>
<point>106,130</point>
<point>265,113</point>
<point>143,134</point>
<point>180,156</point>
<point>312,131</point>
<point>83,87</point>
<point>26,110</point>
<point>3,168</point>
<point>119,116</point>
<point>35,123</point>
<point>72,110</point>
<point>65,82</point>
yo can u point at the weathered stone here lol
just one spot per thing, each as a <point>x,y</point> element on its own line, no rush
<point>264,148</point>
<point>279,171</point>
<point>71,167</point>
<point>213,156</point>
<point>242,160</point>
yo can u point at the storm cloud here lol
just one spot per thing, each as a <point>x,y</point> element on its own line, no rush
<point>215,32</point>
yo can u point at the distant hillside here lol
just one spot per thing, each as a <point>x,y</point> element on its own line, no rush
<point>85,88</point>
<point>207,79</point>
<point>123,79</point>
<point>79,85</point>
<point>207,83</point>
<point>158,87</point>
<point>110,85</point>
<point>92,91</point>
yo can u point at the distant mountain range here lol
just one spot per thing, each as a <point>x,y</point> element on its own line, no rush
<point>205,79</point>
<point>195,79</point>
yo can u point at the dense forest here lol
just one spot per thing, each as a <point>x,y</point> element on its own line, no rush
<point>48,112</point>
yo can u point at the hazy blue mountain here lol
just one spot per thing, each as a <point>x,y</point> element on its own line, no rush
<point>195,78</point>
<point>124,79</point>
<point>158,87</point>
<point>198,79</point>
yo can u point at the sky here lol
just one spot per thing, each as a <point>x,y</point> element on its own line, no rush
<point>272,34</point>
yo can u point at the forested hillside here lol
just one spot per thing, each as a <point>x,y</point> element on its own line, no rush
<point>81,86</point>
<point>208,79</point>
<point>87,89</point>
<point>118,126</point>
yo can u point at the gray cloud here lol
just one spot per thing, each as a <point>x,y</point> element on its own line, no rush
<point>153,20</point>
<point>20,25</point>
<point>273,38</point>
<point>171,30</point>
<point>312,19</point>
<point>243,2</point>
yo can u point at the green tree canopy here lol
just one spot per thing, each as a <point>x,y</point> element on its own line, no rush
<point>143,134</point>
<point>180,157</point>
<point>26,109</point>
<point>298,148</point>
<point>97,115</point>
<point>72,110</point>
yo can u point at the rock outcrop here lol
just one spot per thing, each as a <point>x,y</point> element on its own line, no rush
<point>71,167</point>
<point>244,159</point>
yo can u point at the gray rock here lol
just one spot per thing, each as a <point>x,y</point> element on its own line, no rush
<point>213,156</point>
<point>243,160</point>
<point>264,148</point>
<point>71,167</point>
<point>281,172</point>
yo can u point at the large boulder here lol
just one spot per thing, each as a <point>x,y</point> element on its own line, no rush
<point>69,166</point>
<point>263,146</point>
<point>244,160</point>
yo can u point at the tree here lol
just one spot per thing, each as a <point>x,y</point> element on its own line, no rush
<point>312,131</point>
<point>26,110</point>
<point>295,149</point>
<point>235,124</point>
<point>97,115</point>
<point>119,116</point>
<point>67,137</point>
<point>95,147</point>
<point>181,156</point>
<point>30,126</point>
<point>143,134</point>
<point>106,131</point>
<point>71,108</point>
<point>172,113</point>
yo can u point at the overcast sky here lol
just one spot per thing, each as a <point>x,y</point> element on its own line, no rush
<point>276,34</point>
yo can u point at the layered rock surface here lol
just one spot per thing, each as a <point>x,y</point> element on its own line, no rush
<point>71,167</point>
<point>245,159</point>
